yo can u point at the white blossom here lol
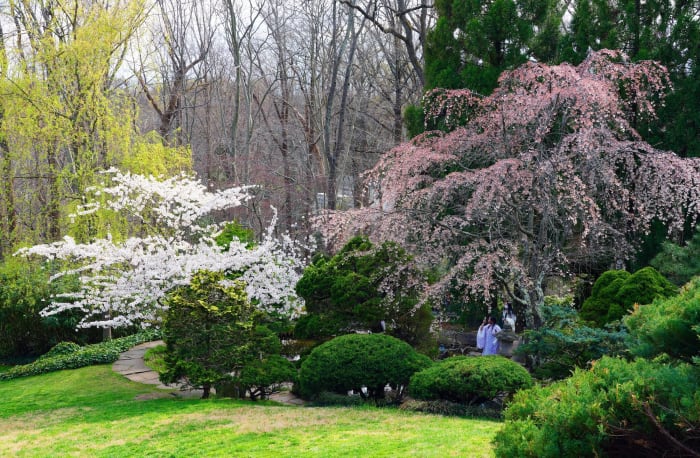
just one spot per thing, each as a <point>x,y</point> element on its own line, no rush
<point>123,283</point>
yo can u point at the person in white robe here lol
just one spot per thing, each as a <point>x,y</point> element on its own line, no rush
<point>486,337</point>
<point>508,318</point>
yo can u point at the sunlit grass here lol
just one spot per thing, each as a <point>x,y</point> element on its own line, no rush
<point>95,412</point>
<point>154,358</point>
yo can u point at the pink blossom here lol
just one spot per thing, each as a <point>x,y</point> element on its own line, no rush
<point>547,178</point>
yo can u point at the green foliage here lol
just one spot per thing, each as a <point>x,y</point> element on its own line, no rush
<point>413,118</point>
<point>595,308</point>
<point>315,326</point>
<point>439,407</point>
<point>643,287</point>
<point>262,377</point>
<point>24,290</point>
<point>234,231</point>
<point>616,408</point>
<point>679,263</point>
<point>353,361</point>
<point>60,349</point>
<point>149,156</point>
<point>469,380</point>
<point>565,342</point>
<point>361,286</point>
<point>472,42</point>
<point>679,117</point>
<point>453,409</point>
<point>616,291</point>
<point>63,358</point>
<point>210,330</point>
<point>326,398</point>
<point>667,326</point>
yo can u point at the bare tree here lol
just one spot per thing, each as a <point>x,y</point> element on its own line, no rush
<point>406,20</point>
<point>181,40</point>
<point>246,36</point>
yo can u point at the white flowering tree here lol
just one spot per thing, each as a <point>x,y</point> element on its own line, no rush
<point>123,282</point>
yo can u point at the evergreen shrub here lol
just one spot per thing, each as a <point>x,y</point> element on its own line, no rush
<point>565,342</point>
<point>453,409</point>
<point>354,361</point>
<point>668,326</point>
<point>361,286</point>
<point>326,398</point>
<point>616,408</point>
<point>469,380</point>
<point>616,291</point>
<point>317,327</point>
<point>262,377</point>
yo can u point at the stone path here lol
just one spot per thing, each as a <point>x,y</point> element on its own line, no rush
<point>131,365</point>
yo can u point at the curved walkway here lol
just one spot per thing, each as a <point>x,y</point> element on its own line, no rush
<point>131,365</point>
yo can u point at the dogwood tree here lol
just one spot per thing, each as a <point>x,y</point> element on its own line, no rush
<point>548,177</point>
<point>123,282</point>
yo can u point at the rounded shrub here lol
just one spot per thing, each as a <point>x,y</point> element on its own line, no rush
<point>617,408</point>
<point>354,361</point>
<point>61,348</point>
<point>469,380</point>
<point>616,291</point>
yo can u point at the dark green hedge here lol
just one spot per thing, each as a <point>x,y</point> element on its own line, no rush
<point>353,361</point>
<point>102,353</point>
<point>469,379</point>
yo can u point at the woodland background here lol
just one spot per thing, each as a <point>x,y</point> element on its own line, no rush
<point>298,97</point>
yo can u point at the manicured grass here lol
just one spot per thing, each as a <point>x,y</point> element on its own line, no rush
<point>94,412</point>
<point>154,358</point>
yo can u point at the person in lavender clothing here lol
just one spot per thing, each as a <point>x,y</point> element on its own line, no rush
<point>486,339</point>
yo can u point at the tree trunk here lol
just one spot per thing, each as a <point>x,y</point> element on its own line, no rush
<point>54,202</point>
<point>7,200</point>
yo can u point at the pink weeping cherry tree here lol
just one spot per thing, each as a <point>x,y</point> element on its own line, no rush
<point>547,176</point>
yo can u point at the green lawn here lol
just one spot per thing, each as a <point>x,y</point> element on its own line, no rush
<point>95,412</point>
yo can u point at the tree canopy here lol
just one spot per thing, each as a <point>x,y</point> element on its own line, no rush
<point>548,177</point>
<point>360,287</point>
<point>122,282</point>
<point>474,41</point>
